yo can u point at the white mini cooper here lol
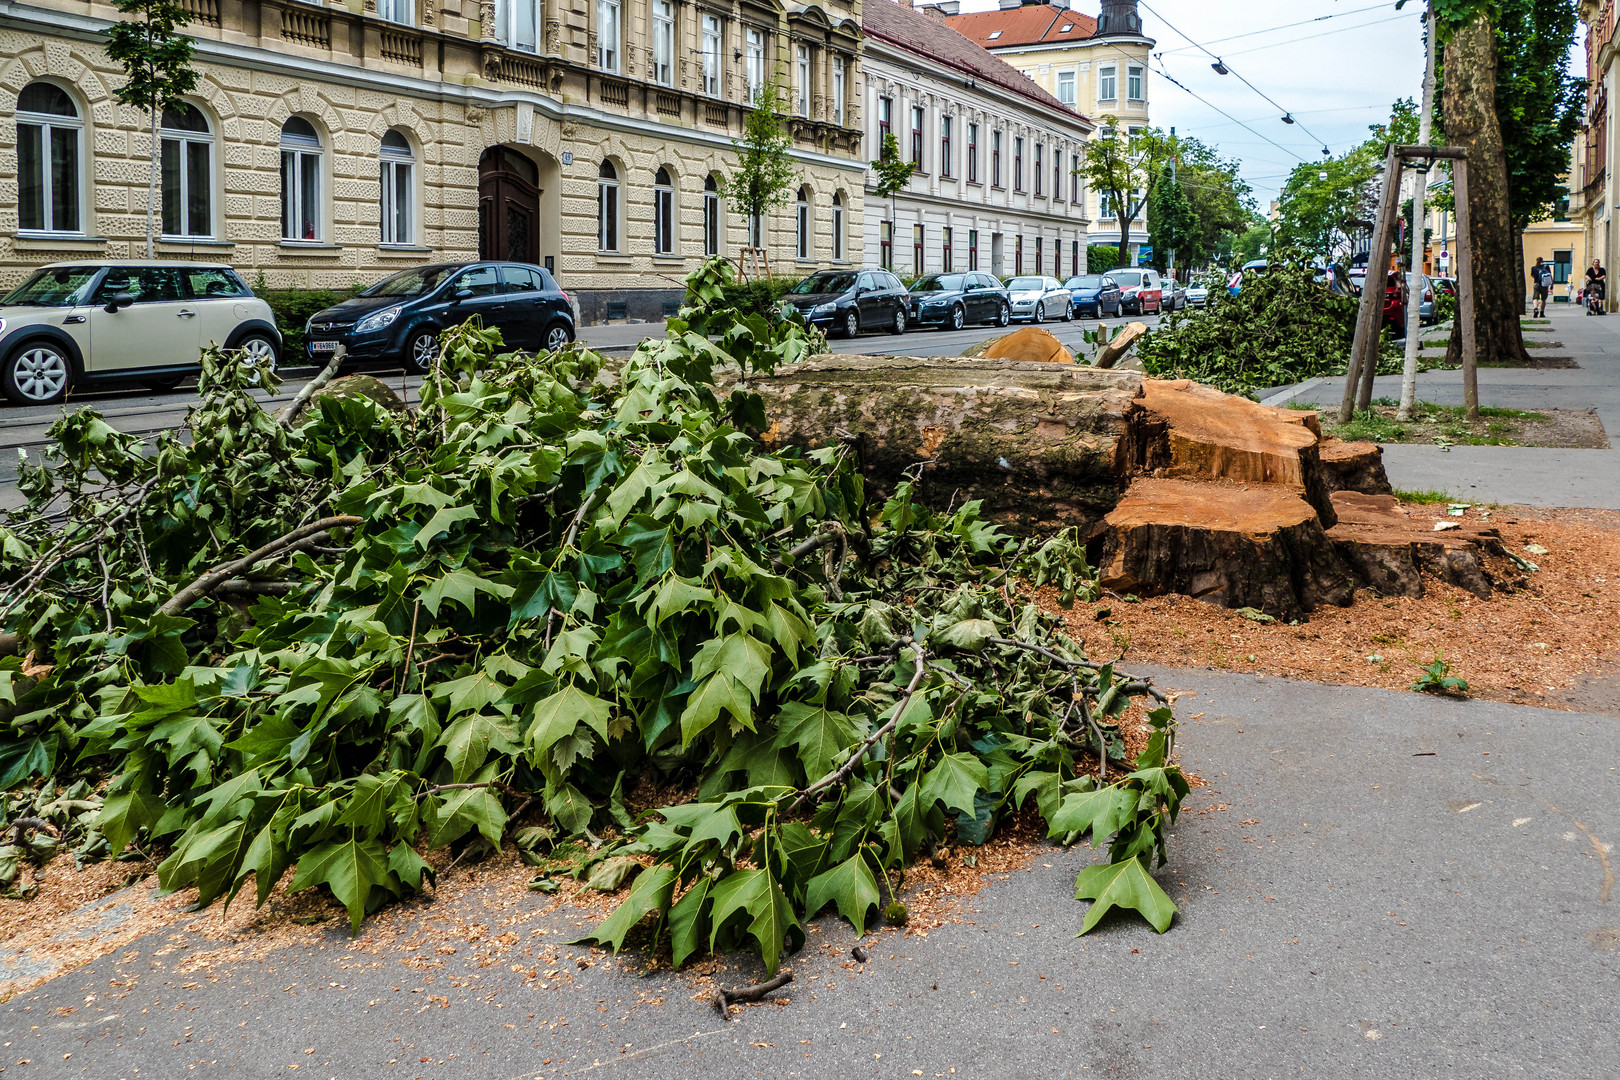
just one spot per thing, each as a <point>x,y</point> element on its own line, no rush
<point>79,323</point>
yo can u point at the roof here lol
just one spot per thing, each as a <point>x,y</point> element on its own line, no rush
<point>1032,24</point>
<point>937,43</point>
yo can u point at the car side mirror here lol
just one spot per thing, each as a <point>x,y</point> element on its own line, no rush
<point>120,300</point>
<point>461,294</point>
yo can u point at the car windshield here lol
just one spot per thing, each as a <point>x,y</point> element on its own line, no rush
<point>417,282</point>
<point>1127,277</point>
<point>1026,284</point>
<point>825,283</point>
<point>938,283</point>
<point>1092,281</point>
<point>58,286</point>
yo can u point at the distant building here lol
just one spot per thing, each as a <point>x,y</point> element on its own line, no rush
<point>995,187</point>
<point>1095,65</point>
<point>1593,197</point>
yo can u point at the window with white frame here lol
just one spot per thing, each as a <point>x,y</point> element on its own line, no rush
<point>756,231</point>
<point>663,213</point>
<point>1040,151</point>
<point>803,58</point>
<point>517,24</point>
<point>840,88</point>
<point>300,180</point>
<point>711,216</point>
<point>754,58</point>
<point>803,222</point>
<point>607,35</point>
<point>945,146</point>
<point>973,153</point>
<point>663,42</point>
<point>1133,82</point>
<point>838,227</point>
<point>917,137</point>
<point>398,168</point>
<point>50,143</point>
<point>713,43</point>
<point>1107,83</point>
<point>187,173</point>
<point>1074,178</point>
<point>1065,87</point>
<point>397,11</point>
<point>885,112</point>
<point>607,208</point>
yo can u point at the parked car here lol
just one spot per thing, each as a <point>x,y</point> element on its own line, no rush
<point>1395,303</point>
<point>954,300</point>
<point>77,323</point>
<point>1416,281</point>
<point>850,301</point>
<point>1142,291</point>
<point>1094,294</point>
<point>398,319</point>
<point>1035,298</point>
<point>1198,294</point>
<point>1175,295</point>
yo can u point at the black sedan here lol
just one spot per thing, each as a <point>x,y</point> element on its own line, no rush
<point>398,319</point>
<point>954,300</point>
<point>849,301</point>
<point>1094,294</point>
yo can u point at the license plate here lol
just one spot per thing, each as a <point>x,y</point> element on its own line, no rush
<point>323,346</point>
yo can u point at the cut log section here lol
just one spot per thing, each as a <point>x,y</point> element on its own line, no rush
<point>1109,355</point>
<point>1353,466</point>
<point>1038,442</point>
<point>1391,553</point>
<point>1182,430</point>
<point>1026,344</point>
<point>1232,544</point>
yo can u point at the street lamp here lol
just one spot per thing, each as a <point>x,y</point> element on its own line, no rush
<point>1288,118</point>
<point>1220,68</point>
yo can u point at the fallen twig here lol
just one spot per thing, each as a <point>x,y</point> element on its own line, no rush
<point>724,999</point>
<point>32,824</point>
<point>280,545</point>
<point>860,751</point>
<point>292,411</point>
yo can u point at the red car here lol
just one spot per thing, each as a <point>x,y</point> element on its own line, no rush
<point>1395,303</point>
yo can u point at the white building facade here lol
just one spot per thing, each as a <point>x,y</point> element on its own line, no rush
<point>996,186</point>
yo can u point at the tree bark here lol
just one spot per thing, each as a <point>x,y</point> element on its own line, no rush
<point>1469,107</point>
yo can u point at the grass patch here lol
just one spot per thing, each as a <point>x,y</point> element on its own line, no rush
<point>1424,496</point>
<point>1544,344</point>
<point>1534,322</point>
<point>1436,343</point>
<point>1495,426</point>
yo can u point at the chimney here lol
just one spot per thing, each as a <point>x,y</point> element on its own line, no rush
<point>933,12</point>
<point>949,7</point>
<point>1010,5</point>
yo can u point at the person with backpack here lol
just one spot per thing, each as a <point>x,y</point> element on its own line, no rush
<point>1596,287</point>
<point>1541,280</point>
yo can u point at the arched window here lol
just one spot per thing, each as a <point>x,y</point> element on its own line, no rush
<point>804,223</point>
<point>188,172</point>
<point>663,213</point>
<point>838,227</point>
<point>607,208</point>
<point>711,216</point>
<point>50,155</point>
<point>300,180</point>
<point>398,169</point>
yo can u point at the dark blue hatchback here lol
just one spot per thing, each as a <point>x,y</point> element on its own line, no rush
<point>1094,294</point>
<point>398,319</point>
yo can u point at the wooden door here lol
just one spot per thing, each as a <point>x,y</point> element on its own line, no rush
<point>508,206</point>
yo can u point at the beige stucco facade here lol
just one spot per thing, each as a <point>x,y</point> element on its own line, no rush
<point>450,91</point>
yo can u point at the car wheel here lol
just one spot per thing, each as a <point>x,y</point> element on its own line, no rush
<point>421,349</point>
<point>1005,316</point>
<point>899,326</point>
<point>1068,312</point>
<point>1040,311</point>
<point>38,373</point>
<point>260,353</point>
<point>958,317</point>
<point>558,335</point>
<point>852,323</point>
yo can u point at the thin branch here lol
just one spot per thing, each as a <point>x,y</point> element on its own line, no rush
<point>244,587</point>
<point>106,585</point>
<point>434,789</point>
<point>871,740</point>
<point>310,533</point>
<point>724,999</point>
<point>292,411</point>
<point>410,647</point>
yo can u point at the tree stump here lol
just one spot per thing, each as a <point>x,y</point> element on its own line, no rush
<point>1353,466</point>
<point>1029,343</point>
<point>1391,554</point>
<point>1234,544</point>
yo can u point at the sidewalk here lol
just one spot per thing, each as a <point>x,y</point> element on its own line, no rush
<point>619,335</point>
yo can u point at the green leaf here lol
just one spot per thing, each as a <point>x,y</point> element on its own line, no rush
<point>440,523</point>
<point>819,735</point>
<point>1102,812</point>
<point>756,893</point>
<point>688,922</point>
<point>464,810</point>
<point>570,809</point>
<point>851,885</point>
<point>1127,885</point>
<point>652,892</point>
<point>612,873</point>
<point>368,804</point>
<point>955,781</point>
<point>704,705</point>
<point>33,756</point>
<point>969,634</point>
<point>559,716</point>
<point>462,586</point>
<point>351,869</point>
<point>123,816</point>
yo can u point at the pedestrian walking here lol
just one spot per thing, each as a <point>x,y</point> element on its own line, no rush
<point>1596,287</point>
<point>1541,280</point>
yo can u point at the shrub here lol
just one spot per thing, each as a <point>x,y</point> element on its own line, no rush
<point>292,309</point>
<point>760,296</point>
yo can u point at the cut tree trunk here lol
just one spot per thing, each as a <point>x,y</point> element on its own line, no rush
<point>1232,544</point>
<point>1392,554</point>
<point>1353,466</point>
<point>1038,442</point>
<point>1469,108</point>
<point>1027,344</point>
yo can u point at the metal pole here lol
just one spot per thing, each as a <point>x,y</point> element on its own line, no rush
<point>1414,304</point>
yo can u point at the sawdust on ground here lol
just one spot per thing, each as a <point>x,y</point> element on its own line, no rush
<point>1530,646</point>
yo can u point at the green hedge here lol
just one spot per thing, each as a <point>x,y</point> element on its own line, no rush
<point>292,308</point>
<point>761,296</point>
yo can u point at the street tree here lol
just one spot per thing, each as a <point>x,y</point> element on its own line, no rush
<point>1325,206</point>
<point>1172,225</point>
<point>1221,202</point>
<point>156,58</point>
<point>1126,167</point>
<point>765,171</point>
<point>892,175</point>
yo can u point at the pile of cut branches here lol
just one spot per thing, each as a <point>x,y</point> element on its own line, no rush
<point>327,644</point>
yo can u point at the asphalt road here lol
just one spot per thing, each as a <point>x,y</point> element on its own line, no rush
<point>1371,884</point>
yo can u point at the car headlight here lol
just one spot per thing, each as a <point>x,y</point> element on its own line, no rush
<point>2,326</point>
<point>824,309</point>
<point>378,319</point>
<point>308,323</point>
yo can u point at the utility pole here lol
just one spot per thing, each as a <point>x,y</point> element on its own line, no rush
<point>1414,304</point>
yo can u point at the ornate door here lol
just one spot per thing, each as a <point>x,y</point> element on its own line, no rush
<point>508,206</point>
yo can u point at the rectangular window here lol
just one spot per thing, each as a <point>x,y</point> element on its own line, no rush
<point>397,11</point>
<point>664,42</point>
<point>48,176</point>
<point>945,146</point>
<point>187,183</point>
<point>1057,174</point>
<point>838,228</point>
<point>755,55</point>
<point>1018,165</point>
<point>917,249</point>
<point>713,39</point>
<point>607,215</point>
<point>973,249</point>
<point>886,245</point>
<point>973,154</point>
<point>916,137</point>
<point>1133,82</point>
<point>1103,209</point>
<point>1074,179</point>
<point>885,120</point>
<point>1074,258</point>
<point>711,223</point>
<point>607,35</point>
<point>1107,83</point>
<point>1018,254</point>
<point>840,88</point>
<point>1065,92</point>
<point>804,230</point>
<point>300,195</point>
<point>1040,150</point>
<point>663,219</point>
<point>1040,255</point>
<point>804,80</point>
<point>995,159</point>
<point>945,250</point>
<point>396,200</point>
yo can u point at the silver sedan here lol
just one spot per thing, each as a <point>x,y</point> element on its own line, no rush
<point>1039,298</point>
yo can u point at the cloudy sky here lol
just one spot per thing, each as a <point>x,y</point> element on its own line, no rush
<point>1335,65</point>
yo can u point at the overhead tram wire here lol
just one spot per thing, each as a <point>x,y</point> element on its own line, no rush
<point>1177,82</point>
<point>1313,37</point>
<point>1284,26</point>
